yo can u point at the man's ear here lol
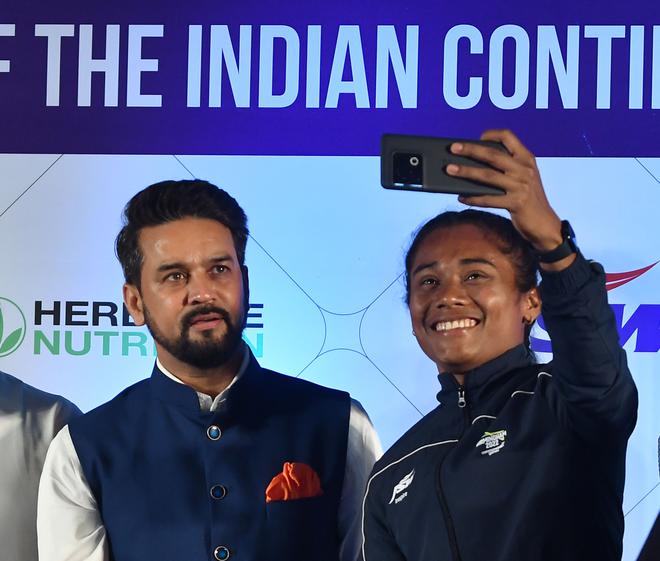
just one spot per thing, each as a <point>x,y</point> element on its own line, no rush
<point>246,288</point>
<point>531,306</point>
<point>133,302</point>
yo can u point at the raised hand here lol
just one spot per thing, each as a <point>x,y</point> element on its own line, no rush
<point>517,174</point>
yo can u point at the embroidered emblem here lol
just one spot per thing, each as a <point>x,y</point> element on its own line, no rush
<point>402,486</point>
<point>493,441</point>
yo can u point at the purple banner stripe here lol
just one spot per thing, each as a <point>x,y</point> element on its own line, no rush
<point>260,78</point>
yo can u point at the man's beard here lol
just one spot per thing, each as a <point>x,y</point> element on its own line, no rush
<point>205,354</point>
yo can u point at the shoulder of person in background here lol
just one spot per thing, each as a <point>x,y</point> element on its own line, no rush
<point>29,420</point>
<point>40,412</point>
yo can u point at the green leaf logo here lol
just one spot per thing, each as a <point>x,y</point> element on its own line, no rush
<point>12,320</point>
<point>11,341</point>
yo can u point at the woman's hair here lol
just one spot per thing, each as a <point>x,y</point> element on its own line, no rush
<point>501,231</point>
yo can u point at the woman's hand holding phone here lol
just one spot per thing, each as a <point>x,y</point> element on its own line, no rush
<point>516,173</point>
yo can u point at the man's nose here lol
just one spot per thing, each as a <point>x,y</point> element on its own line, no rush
<point>200,289</point>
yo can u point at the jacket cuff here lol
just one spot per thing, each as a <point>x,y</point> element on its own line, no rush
<point>571,279</point>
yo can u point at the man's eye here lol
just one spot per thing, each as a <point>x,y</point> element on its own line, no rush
<point>429,282</point>
<point>220,269</point>
<point>475,275</point>
<point>175,277</point>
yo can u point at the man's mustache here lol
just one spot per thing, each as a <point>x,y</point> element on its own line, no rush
<point>187,319</point>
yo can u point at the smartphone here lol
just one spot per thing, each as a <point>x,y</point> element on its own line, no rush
<point>419,163</point>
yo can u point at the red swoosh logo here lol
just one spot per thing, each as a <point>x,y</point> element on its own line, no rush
<point>613,280</point>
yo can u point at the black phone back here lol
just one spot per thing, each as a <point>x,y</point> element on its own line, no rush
<point>418,163</point>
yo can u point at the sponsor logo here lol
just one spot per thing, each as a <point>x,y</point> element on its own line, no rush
<point>12,327</point>
<point>400,487</point>
<point>643,321</point>
<point>614,280</point>
<point>493,442</point>
<point>98,328</point>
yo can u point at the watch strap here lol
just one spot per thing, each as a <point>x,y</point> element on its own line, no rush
<point>564,249</point>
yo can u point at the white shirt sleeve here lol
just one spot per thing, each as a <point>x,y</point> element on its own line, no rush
<point>363,449</point>
<point>69,526</point>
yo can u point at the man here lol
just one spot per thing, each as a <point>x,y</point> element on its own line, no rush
<point>29,419</point>
<point>212,457</point>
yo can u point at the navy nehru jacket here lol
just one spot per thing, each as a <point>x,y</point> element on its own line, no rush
<point>173,482</point>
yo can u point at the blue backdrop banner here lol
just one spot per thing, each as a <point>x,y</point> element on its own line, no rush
<point>256,77</point>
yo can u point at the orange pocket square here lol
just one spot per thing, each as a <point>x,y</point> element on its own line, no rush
<point>297,481</point>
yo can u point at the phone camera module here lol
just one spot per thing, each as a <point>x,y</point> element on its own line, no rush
<point>407,169</point>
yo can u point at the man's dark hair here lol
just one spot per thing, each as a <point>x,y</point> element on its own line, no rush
<point>502,231</point>
<point>173,200</point>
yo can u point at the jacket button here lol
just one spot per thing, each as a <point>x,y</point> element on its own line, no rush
<point>213,432</point>
<point>221,553</point>
<point>218,491</point>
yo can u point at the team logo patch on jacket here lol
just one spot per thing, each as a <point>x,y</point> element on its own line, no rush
<point>493,442</point>
<point>400,487</point>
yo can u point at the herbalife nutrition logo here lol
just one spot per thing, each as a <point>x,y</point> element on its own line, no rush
<point>12,327</point>
<point>103,328</point>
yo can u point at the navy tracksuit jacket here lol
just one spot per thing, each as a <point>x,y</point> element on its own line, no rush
<point>532,466</point>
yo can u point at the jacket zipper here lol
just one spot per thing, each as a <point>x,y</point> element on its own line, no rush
<point>451,531</point>
<point>461,397</point>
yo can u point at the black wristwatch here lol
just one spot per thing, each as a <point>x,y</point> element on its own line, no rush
<point>567,246</point>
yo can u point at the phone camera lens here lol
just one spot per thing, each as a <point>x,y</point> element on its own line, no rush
<point>414,161</point>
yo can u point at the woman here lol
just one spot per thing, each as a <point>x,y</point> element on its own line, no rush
<point>520,461</point>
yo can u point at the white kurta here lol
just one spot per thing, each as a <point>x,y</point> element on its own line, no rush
<point>29,419</point>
